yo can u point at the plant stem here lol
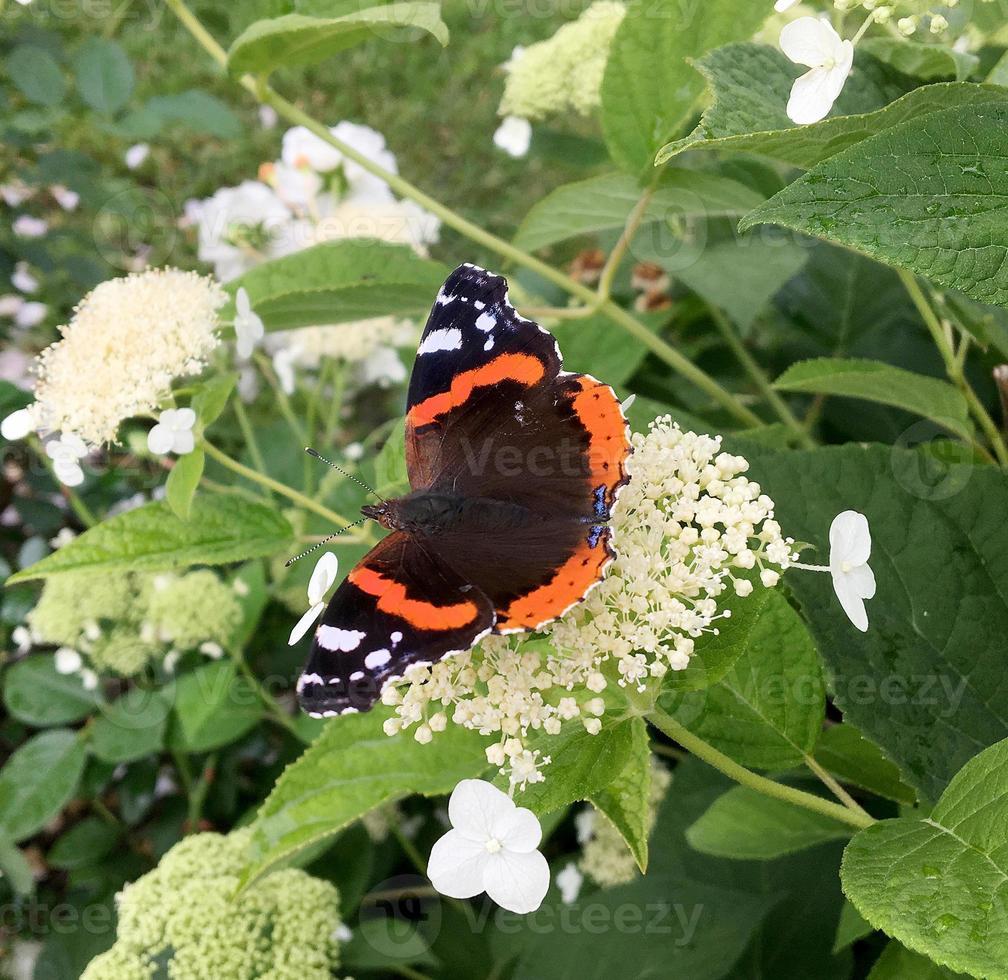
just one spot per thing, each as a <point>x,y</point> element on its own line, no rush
<point>250,437</point>
<point>267,481</point>
<point>633,222</point>
<point>745,777</point>
<point>282,400</point>
<point>953,368</point>
<point>834,786</point>
<point>293,114</point>
<point>759,377</point>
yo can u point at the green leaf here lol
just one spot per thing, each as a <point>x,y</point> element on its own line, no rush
<point>336,282</point>
<point>83,844</point>
<point>221,528</point>
<point>882,383</point>
<point>919,682</point>
<point>586,343</point>
<point>211,398</point>
<point>182,482</point>
<point>37,694</point>
<point>604,203</point>
<point>936,883</point>
<point>626,801</point>
<point>198,111</point>
<point>767,710</point>
<point>928,61</point>
<point>582,764</point>
<point>131,727</point>
<point>214,706</point>
<point>15,869</point>
<point>391,479</point>
<point>298,40</point>
<point>38,780</point>
<point>649,89</point>
<point>36,74</point>
<point>350,769</point>
<point>937,214</point>
<point>750,85</point>
<point>852,927</point>
<point>848,755</point>
<point>104,75</point>
<point>747,825</point>
<point>899,963</point>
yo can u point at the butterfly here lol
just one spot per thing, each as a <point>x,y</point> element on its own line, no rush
<point>514,466</point>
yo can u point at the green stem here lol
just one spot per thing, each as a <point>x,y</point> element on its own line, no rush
<point>759,377</point>
<point>293,114</point>
<point>282,400</point>
<point>745,777</point>
<point>633,222</point>
<point>834,786</point>
<point>249,435</point>
<point>953,368</point>
<point>267,481</point>
<point>332,418</point>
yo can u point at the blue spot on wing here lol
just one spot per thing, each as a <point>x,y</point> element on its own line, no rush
<point>601,508</point>
<point>595,534</point>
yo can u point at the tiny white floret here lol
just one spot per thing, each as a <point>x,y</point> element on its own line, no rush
<point>173,432</point>
<point>248,325</point>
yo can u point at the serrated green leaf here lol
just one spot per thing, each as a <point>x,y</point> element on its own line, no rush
<point>848,755</point>
<point>180,488</point>
<point>626,799</point>
<point>131,727</point>
<point>604,203</point>
<point>882,383</point>
<point>899,963</point>
<point>919,682</point>
<point>937,883</point>
<point>36,693</point>
<point>767,710</point>
<point>927,61</point>
<point>221,528</point>
<point>649,88</point>
<point>214,706</point>
<point>350,769</point>
<point>750,85</point>
<point>38,780</point>
<point>336,282</point>
<point>937,214</point>
<point>104,75</point>
<point>295,39</point>
<point>747,825</point>
<point>35,74</point>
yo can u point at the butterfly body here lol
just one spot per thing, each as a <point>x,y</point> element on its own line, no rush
<point>514,466</point>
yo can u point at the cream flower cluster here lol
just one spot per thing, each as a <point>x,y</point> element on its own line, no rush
<point>688,527</point>
<point>564,72</point>
<point>127,341</point>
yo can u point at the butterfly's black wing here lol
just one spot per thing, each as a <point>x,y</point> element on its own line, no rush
<point>399,606</point>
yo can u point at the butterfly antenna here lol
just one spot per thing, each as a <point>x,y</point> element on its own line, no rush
<point>325,540</point>
<point>339,469</point>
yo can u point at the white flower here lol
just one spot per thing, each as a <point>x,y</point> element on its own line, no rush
<point>16,193</point>
<point>10,303</point>
<point>853,580</point>
<point>781,5</point>
<point>18,424</point>
<point>68,661</point>
<point>491,848</point>
<point>136,154</point>
<point>569,882</point>
<point>89,679</point>
<point>64,197</point>
<point>22,279</point>
<point>283,363</point>
<point>813,42</point>
<point>268,117</point>
<point>65,453</point>
<point>173,432</point>
<point>297,187</point>
<point>248,325</point>
<point>322,578</point>
<point>513,136</point>
<point>30,314</point>
<point>25,226</point>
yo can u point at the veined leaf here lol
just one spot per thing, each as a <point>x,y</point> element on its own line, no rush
<point>336,282</point>
<point>936,883</point>
<point>939,214</point>
<point>221,528</point>
<point>36,693</point>
<point>882,383</point>
<point>928,61</point>
<point>182,482</point>
<point>295,39</point>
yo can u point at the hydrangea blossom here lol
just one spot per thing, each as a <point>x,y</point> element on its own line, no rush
<point>173,432</point>
<point>513,136</point>
<point>184,920</point>
<point>564,72</point>
<point>813,42</point>
<point>687,528</point>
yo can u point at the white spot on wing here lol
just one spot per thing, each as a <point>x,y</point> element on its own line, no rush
<point>438,340</point>
<point>395,637</point>
<point>334,638</point>
<point>489,344</point>
<point>376,659</point>
<point>486,322</point>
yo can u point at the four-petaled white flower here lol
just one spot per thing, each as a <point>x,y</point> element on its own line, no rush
<point>321,581</point>
<point>853,580</point>
<point>813,42</point>
<point>513,136</point>
<point>248,325</point>
<point>491,848</point>
<point>66,453</point>
<point>173,432</point>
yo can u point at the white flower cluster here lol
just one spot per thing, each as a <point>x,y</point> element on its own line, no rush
<point>687,527</point>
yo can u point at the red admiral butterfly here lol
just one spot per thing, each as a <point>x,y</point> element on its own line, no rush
<point>514,467</point>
